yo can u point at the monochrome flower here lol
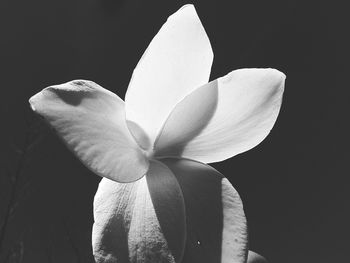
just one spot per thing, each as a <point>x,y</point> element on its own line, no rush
<point>158,200</point>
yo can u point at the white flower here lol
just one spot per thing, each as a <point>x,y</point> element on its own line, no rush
<point>172,123</point>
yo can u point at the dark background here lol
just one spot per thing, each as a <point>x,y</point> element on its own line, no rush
<point>293,185</point>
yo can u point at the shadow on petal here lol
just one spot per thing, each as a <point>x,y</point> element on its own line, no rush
<point>201,188</point>
<point>90,120</point>
<point>245,104</point>
<point>215,221</point>
<point>142,221</point>
<point>181,211</point>
<point>112,204</point>
<point>169,206</point>
<point>187,120</point>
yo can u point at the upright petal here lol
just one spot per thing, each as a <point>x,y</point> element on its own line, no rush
<point>91,122</point>
<point>216,224</point>
<point>140,222</point>
<point>224,117</point>
<point>177,61</point>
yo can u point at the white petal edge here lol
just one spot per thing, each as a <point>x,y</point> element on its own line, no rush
<point>234,225</point>
<point>177,61</point>
<point>91,122</point>
<point>239,111</point>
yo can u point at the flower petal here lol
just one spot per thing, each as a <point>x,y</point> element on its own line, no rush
<point>216,224</point>
<point>177,61</point>
<point>140,222</point>
<point>255,258</point>
<point>91,121</point>
<point>224,117</point>
<point>169,206</point>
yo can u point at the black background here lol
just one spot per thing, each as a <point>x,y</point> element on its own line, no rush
<point>293,185</point>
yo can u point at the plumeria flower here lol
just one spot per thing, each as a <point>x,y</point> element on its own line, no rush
<point>158,200</point>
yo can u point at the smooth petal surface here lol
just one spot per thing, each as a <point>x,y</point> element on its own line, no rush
<point>169,206</point>
<point>216,224</point>
<point>239,111</point>
<point>140,222</point>
<point>255,258</point>
<point>177,61</point>
<point>91,121</point>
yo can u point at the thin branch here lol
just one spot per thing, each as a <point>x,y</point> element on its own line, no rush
<point>16,253</point>
<point>13,191</point>
<point>31,136</point>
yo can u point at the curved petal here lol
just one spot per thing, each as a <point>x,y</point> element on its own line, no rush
<point>169,206</point>
<point>140,222</point>
<point>91,121</point>
<point>177,61</point>
<point>239,111</point>
<point>216,224</point>
<point>255,258</point>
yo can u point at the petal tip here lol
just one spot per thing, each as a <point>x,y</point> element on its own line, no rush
<point>187,10</point>
<point>276,72</point>
<point>187,6</point>
<point>34,101</point>
<point>277,76</point>
<point>255,258</point>
<point>282,79</point>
